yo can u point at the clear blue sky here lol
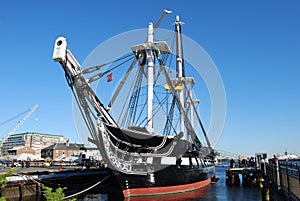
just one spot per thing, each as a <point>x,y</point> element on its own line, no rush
<point>254,44</point>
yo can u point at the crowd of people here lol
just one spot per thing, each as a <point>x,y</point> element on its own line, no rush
<point>250,162</point>
<point>243,162</point>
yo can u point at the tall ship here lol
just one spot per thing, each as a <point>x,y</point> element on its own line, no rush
<point>145,160</point>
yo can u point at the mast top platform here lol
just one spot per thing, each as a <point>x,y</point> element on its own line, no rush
<point>162,46</point>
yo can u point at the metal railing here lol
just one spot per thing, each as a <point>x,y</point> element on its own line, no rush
<point>284,177</point>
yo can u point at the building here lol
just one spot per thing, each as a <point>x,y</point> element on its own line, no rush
<point>59,151</point>
<point>21,150</point>
<point>33,140</point>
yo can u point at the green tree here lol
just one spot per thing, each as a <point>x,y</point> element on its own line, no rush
<point>3,180</point>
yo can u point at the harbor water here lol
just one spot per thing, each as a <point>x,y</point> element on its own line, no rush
<point>214,192</point>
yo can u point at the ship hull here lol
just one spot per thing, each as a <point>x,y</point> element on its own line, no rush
<point>170,180</point>
<point>149,175</point>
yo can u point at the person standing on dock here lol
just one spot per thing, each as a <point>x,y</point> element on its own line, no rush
<point>252,162</point>
<point>275,160</point>
<point>232,162</point>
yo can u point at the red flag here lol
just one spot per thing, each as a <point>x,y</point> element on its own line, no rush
<point>109,77</point>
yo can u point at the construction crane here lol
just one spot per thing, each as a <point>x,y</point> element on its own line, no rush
<point>20,122</point>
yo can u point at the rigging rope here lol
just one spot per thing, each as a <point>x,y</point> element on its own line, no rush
<point>168,124</point>
<point>156,109</point>
<point>101,74</point>
<point>133,87</point>
<point>85,190</point>
<point>85,118</point>
<point>196,140</point>
<point>70,196</point>
<point>131,117</point>
<point>94,68</point>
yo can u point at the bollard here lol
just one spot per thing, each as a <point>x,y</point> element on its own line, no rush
<point>260,182</point>
<point>265,194</point>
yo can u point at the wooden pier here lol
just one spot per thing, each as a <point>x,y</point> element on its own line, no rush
<point>21,190</point>
<point>278,182</point>
<point>25,183</point>
<point>249,176</point>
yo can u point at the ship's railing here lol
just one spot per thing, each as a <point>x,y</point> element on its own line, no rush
<point>284,177</point>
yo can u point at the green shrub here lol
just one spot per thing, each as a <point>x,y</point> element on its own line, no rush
<point>57,195</point>
<point>3,180</point>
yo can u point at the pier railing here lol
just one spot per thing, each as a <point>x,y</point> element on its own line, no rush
<point>284,178</point>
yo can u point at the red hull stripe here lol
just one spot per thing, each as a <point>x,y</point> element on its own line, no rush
<point>133,192</point>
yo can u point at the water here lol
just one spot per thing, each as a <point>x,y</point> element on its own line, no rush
<point>292,163</point>
<point>214,192</point>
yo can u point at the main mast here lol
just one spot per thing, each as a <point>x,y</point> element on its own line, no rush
<point>147,49</point>
<point>180,73</point>
<point>150,59</point>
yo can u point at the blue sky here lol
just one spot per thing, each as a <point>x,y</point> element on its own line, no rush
<point>254,44</point>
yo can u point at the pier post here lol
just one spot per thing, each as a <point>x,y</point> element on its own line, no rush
<point>20,192</point>
<point>288,180</point>
<point>246,178</point>
<point>279,174</point>
<point>232,179</point>
<point>299,174</point>
<point>236,179</point>
<point>37,189</point>
<point>227,177</point>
